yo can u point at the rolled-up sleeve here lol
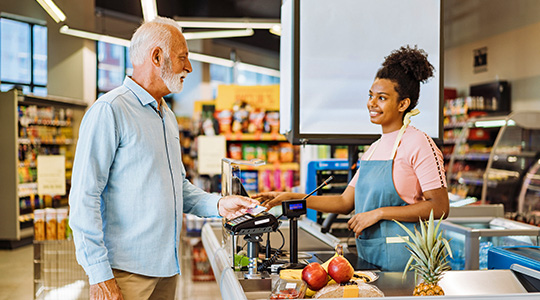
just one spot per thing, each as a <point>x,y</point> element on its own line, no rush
<point>96,147</point>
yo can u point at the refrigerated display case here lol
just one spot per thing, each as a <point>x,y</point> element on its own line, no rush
<point>470,156</point>
<point>471,237</point>
<point>515,153</point>
<point>529,197</point>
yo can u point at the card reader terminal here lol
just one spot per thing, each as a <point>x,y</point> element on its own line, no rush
<point>252,224</point>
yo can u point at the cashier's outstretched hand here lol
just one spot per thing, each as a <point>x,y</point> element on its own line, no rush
<point>271,199</point>
<point>234,206</point>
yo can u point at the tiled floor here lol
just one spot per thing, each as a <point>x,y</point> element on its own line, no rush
<point>16,278</point>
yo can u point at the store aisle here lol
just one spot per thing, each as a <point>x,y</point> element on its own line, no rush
<point>16,278</point>
<point>16,273</point>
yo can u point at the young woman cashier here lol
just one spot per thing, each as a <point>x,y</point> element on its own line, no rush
<point>401,176</point>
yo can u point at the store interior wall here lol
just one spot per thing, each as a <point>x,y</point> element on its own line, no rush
<point>509,29</point>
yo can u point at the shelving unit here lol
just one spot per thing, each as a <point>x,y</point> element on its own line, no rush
<point>515,153</point>
<point>278,173</point>
<point>470,155</point>
<point>471,125</point>
<point>31,126</point>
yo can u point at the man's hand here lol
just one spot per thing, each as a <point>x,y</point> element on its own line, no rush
<point>234,206</point>
<point>106,290</point>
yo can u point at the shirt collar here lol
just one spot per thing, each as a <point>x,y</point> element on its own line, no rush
<point>142,95</point>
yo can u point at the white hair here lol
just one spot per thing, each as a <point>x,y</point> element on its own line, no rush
<point>149,35</point>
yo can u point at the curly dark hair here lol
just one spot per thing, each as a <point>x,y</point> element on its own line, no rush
<point>407,67</point>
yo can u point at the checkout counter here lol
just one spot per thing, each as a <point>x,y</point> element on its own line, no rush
<point>466,284</point>
<point>304,242</point>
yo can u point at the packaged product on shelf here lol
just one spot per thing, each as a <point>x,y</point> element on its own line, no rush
<point>288,179</point>
<point>224,118</point>
<point>256,121</point>
<point>248,151</point>
<point>261,151</point>
<point>273,154</point>
<point>272,122</point>
<point>61,219</point>
<point>265,181</point>
<point>240,117</point>
<point>39,224</point>
<point>278,180</point>
<point>250,181</point>
<point>286,154</point>
<point>50,224</point>
<point>235,151</point>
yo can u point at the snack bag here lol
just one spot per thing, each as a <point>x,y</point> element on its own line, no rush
<point>50,224</point>
<point>39,225</point>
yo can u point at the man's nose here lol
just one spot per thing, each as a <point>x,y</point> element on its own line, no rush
<point>187,67</point>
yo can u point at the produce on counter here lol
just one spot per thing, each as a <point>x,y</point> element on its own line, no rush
<point>340,269</point>
<point>349,290</point>
<point>429,251</point>
<point>315,276</point>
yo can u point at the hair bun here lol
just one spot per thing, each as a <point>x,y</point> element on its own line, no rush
<point>413,61</point>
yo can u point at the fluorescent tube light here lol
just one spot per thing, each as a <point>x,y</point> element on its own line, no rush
<point>192,56</point>
<point>94,36</point>
<point>494,123</point>
<point>258,69</point>
<point>50,7</point>
<point>227,24</point>
<point>149,9</point>
<point>211,59</point>
<point>276,29</point>
<point>218,34</point>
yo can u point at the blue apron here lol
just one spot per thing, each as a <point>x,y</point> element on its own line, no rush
<point>381,244</point>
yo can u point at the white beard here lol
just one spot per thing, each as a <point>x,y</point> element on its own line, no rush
<point>172,81</point>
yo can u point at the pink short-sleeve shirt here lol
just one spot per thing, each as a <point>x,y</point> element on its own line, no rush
<point>418,165</point>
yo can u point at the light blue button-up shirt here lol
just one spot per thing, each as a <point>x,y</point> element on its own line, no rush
<point>129,187</point>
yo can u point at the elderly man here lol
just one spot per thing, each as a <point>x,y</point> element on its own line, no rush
<point>129,186</point>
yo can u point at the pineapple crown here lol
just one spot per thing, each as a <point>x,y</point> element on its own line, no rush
<point>429,250</point>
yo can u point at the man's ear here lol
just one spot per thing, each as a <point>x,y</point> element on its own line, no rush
<point>157,56</point>
<point>404,104</point>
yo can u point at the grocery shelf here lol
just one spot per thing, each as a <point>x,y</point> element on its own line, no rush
<point>278,166</point>
<point>26,141</point>
<point>255,137</point>
<point>473,156</point>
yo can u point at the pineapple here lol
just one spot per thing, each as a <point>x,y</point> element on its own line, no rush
<point>429,251</point>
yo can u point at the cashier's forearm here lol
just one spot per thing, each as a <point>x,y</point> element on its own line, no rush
<point>436,200</point>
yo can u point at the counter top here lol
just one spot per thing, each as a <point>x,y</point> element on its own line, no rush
<point>477,284</point>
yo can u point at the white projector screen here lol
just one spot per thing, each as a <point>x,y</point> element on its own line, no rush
<point>330,53</point>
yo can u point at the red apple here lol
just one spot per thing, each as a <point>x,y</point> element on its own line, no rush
<point>315,276</point>
<point>340,269</point>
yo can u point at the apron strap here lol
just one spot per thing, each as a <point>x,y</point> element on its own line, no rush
<point>374,148</point>
<point>406,122</point>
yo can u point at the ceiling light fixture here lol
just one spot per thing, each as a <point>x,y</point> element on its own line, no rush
<point>229,23</point>
<point>192,56</point>
<point>50,7</point>
<point>149,9</point>
<point>94,36</point>
<point>218,34</point>
<point>276,29</point>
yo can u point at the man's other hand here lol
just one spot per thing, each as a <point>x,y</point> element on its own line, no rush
<point>106,290</point>
<point>233,206</point>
